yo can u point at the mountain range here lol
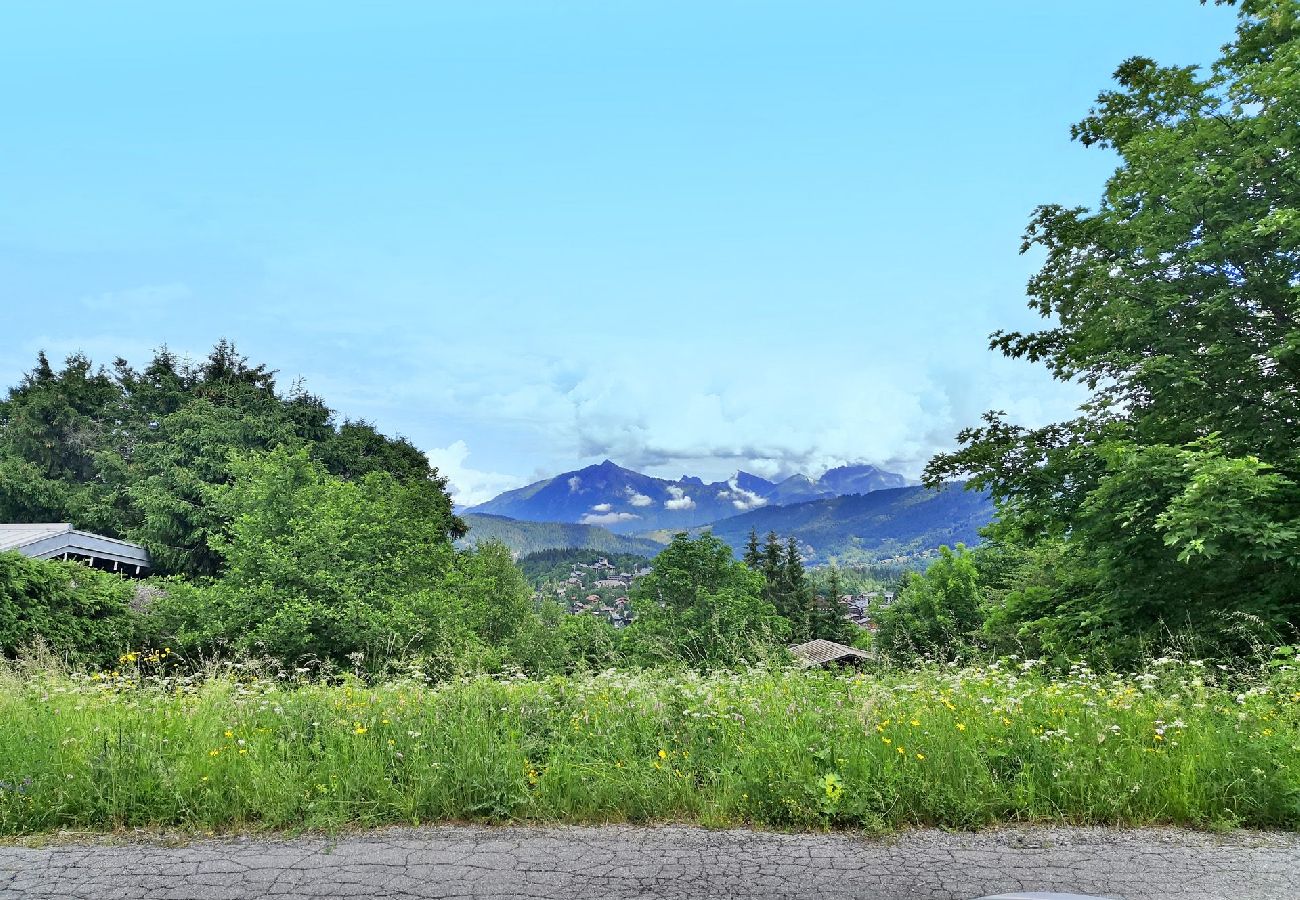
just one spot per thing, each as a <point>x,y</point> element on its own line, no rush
<point>628,502</point>
<point>908,521</point>
<point>850,514</point>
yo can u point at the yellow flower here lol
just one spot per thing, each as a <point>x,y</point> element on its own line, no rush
<point>920,756</point>
<point>229,733</point>
<point>916,723</point>
<point>663,754</point>
<point>902,750</point>
<point>961,726</point>
<point>358,728</point>
<point>1006,721</point>
<point>886,740</point>
<point>243,749</point>
<point>214,753</point>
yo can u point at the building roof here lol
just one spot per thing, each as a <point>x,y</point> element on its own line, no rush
<point>820,652</point>
<point>54,540</point>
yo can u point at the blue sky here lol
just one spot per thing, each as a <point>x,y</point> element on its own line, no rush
<point>689,236</point>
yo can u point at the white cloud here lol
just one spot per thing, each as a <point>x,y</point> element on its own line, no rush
<point>468,486</point>
<point>607,518</point>
<point>680,499</point>
<point>574,483</point>
<point>601,508</point>
<point>741,498</point>
<point>637,499</point>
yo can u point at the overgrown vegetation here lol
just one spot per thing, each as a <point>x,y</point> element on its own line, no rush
<point>1179,743</point>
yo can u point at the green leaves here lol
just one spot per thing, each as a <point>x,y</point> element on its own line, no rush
<point>1177,303</point>
<point>701,606</point>
<point>138,454</point>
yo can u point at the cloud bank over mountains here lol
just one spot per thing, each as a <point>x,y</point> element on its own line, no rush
<point>711,421</point>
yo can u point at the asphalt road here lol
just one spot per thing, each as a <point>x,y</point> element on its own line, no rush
<point>612,863</point>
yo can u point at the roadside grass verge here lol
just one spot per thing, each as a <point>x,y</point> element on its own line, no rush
<point>1181,743</point>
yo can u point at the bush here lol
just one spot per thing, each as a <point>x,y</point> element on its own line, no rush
<point>78,612</point>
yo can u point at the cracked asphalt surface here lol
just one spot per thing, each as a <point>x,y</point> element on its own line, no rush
<point>617,862</point>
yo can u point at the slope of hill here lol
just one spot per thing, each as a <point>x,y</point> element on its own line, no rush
<point>530,537</point>
<point>628,502</point>
<point>862,527</point>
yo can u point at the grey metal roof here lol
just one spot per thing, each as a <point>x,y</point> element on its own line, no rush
<point>820,652</point>
<point>51,540</point>
<point>14,536</point>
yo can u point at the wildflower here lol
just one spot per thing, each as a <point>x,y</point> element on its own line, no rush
<point>961,726</point>
<point>916,723</point>
<point>663,754</point>
<point>229,733</point>
<point>920,756</point>
<point>358,728</point>
<point>886,740</point>
<point>902,750</point>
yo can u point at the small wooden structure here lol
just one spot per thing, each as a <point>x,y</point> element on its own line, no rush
<point>827,653</point>
<point>59,540</point>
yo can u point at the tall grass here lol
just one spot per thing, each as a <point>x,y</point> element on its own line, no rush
<point>935,746</point>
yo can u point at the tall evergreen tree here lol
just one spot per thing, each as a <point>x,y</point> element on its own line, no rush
<point>795,592</point>
<point>753,556</point>
<point>826,619</point>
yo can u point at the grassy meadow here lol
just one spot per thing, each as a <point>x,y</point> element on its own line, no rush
<point>1182,742</point>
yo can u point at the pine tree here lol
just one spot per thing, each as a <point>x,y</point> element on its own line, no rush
<point>796,595</point>
<point>753,556</point>
<point>771,564</point>
<point>827,620</point>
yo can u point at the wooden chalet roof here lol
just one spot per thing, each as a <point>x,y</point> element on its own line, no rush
<point>820,652</point>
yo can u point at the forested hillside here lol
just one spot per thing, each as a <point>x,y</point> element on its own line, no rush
<point>867,527</point>
<point>530,537</point>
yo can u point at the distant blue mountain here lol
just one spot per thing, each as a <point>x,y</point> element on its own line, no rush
<point>531,537</point>
<point>628,502</point>
<point>889,522</point>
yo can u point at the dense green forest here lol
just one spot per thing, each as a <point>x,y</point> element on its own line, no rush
<point>533,537</point>
<point>141,454</point>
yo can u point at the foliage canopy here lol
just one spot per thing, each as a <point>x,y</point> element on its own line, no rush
<point>1174,494</point>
